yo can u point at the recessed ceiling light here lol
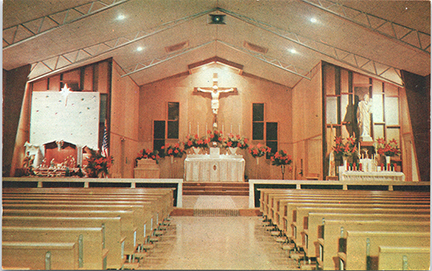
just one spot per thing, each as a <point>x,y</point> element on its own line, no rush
<point>121,17</point>
<point>292,51</point>
<point>313,20</point>
<point>139,48</point>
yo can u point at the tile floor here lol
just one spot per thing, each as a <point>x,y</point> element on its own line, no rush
<point>224,243</point>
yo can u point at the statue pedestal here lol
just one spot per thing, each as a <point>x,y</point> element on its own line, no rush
<point>147,169</point>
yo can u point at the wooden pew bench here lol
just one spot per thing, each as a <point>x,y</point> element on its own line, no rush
<point>361,250</point>
<point>267,202</point>
<point>290,207</point>
<point>114,241</point>
<point>316,219</point>
<point>404,258</point>
<point>129,230</point>
<point>273,205</point>
<point>292,223</point>
<point>164,195</point>
<point>161,207</point>
<point>333,230</point>
<point>91,251</point>
<point>141,217</point>
<point>40,255</point>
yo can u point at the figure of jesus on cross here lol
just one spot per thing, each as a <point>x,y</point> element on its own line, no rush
<point>215,92</point>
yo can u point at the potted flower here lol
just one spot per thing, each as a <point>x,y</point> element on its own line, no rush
<point>174,150</point>
<point>387,149</point>
<point>236,141</point>
<point>345,150</point>
<point>97,165</point>
<point>215,137</point>
<point>258,151</point>
<point>281,158</point>
<point>195,142</point>
<point>147,154</point>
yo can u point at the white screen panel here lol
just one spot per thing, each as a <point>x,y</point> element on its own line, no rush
<point>332,107</point>
<point>74,119</point>
<point>392,110</point>
<point>377,104</point>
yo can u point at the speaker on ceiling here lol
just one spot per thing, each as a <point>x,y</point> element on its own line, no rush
<point>217,19</point>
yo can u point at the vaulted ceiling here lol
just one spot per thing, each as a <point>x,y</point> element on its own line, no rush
<point>278,40</point>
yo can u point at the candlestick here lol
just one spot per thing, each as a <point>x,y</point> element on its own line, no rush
<point>189,127</point>
<point>206,128</point>
<point>231,129</point>
<point>239,130</point>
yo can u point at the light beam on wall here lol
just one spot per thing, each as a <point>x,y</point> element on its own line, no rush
<point>235,67</point>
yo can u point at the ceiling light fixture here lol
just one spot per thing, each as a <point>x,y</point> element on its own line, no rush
<point>313,20</point>
<point>292,51</point>
<point>121,17</point>
<point>139,48</point>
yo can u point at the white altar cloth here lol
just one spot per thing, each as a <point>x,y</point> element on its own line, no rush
<point>373,176</point>
<point>224,168</point>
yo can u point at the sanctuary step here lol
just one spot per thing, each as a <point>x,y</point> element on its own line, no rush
<point>216,188</point>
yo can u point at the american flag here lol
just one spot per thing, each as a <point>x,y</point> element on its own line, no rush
<point>104,151</point>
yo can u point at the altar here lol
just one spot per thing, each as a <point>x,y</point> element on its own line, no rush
<point>214,168</point>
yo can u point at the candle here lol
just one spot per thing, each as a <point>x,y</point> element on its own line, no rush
<point>231,129</point>
<point>223,130</point>
<point>198,129</point>
<point>239,130</point>
<point>189,127</point>
<point>206,128</point>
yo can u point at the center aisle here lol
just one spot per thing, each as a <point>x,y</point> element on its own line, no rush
<point>193,242</point>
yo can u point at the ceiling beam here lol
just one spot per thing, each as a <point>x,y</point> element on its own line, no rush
<point>364,64</point>
<point>67,60</point>
<point>153,62</point>
<point>269,60</point>
<point>26,31</point>
<point>395,31</point>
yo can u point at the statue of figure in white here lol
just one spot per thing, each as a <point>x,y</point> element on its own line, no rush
<point>215,91</point>
<point>364,111</point>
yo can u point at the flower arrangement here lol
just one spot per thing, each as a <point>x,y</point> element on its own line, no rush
<point>173,150</point>
<point>388,149</point>
<point>259,150</point>
<point>346,149</point>
<point>195,141</point>
<point>236,142</point>
<point>215,136</point>
<point>98,165</point>
<point>281,158</point>
<point>148,154</point>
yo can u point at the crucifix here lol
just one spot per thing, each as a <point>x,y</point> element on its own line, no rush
<point>215,92</point>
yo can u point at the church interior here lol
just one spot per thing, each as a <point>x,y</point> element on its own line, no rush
<point>216,134</point>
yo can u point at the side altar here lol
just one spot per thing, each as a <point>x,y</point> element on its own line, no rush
<point>214,167</point>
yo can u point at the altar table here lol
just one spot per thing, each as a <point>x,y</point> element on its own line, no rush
<point>373,176</point>
<point>223,168</point>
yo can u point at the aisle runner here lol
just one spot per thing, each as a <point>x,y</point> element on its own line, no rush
<point>215,206</point>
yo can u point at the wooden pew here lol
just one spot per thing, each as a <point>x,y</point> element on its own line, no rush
<point>290,207</point>
<point>331,233</point>
<point>273,200</point>
<point>266,199</point>
<point>40,255</point>
<point>165,194</point>
<point>361,250</point>
<point>404,258</point>
<point>279,201</point>
<point>315,220</point>
<point>91,251</point>
<point>129,230</point>
<point>140,217</point>
<point>161,200</point>
<point>291,218</point>
<point>114,241</point>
